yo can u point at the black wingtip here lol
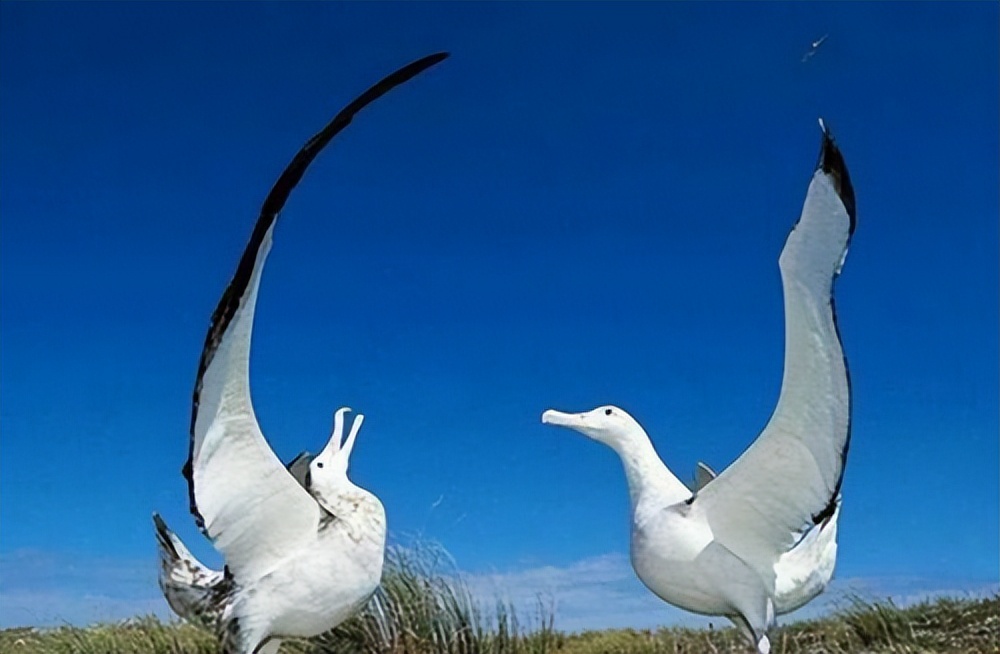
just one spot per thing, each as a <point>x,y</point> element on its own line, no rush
<point>828,510</point>
<point>430,60</point>
<point>831,162</point>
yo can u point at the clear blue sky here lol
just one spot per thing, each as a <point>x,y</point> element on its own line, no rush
<point>583,205</point>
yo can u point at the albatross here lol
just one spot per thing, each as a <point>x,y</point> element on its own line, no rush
<point>303,545</point>
<point>760,538</point>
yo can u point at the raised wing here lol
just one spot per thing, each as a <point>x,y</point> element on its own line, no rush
<point>702,475</point>
<point>298,468</point>
<point>240,494</point>
<point>790,477</point>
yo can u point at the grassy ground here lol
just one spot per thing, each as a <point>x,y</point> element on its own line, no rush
<point>424,608</point>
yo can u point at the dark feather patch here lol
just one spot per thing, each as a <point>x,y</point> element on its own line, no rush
<point>831,162</point>
<point>163,538</point>
<point>298,468</point>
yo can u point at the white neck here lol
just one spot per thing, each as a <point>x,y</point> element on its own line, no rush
<point>645,471</point>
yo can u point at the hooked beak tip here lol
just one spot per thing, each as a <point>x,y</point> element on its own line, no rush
<point>553,417</point>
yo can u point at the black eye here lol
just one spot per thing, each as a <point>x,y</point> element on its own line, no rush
<point>319,465</point>
<point>607,412</point>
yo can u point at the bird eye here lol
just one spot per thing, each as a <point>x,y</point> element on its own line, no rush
<point>319,464</point>
<point>607,412</point>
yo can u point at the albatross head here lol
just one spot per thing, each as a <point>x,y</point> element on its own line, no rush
<point>330,466</point>
<point>607,424</point>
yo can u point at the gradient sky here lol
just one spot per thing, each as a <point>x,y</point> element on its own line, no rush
<point>583,205</point>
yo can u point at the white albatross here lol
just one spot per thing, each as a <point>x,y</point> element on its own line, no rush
<point>759,539</point>
<point>303,546</point>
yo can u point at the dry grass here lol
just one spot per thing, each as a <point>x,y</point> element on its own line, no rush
<point>944,625</point>
<point>140,636</point>
<point>423,607</point>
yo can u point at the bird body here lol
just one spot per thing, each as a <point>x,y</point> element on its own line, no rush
<point>323,582</point>
<point>304,594</point>
<point>758,539</point>
<point>202,595</point>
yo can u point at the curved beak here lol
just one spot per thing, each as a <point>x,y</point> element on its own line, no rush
<point>355,428</point>
<point>334,444</point>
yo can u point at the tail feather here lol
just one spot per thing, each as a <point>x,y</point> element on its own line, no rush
<point>194,591</point>
<point>165,539</point>
<point>803,572</point>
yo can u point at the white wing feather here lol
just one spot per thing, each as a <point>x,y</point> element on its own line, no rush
<point>790,476</point>
<point>253,509</point>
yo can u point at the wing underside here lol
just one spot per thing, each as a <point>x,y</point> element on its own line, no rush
<point>240,494</point>
<point>790,477</point>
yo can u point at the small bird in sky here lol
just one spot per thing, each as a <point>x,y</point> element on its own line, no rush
<point>814,47</point>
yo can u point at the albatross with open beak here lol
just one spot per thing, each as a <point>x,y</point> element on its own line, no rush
<point>303,546</point>
<point>759,539</point>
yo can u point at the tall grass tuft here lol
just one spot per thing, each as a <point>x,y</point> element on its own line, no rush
<point>425,607</point>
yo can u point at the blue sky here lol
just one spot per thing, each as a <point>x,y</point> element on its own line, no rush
<point>583,205</point>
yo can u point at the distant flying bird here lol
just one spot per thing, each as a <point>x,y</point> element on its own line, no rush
<point>759,539</point>
<point>814,47</point>
<point>303,546</point>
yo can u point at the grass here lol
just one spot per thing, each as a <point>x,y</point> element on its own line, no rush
<point>423,607</point>
<point>943,625</point>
